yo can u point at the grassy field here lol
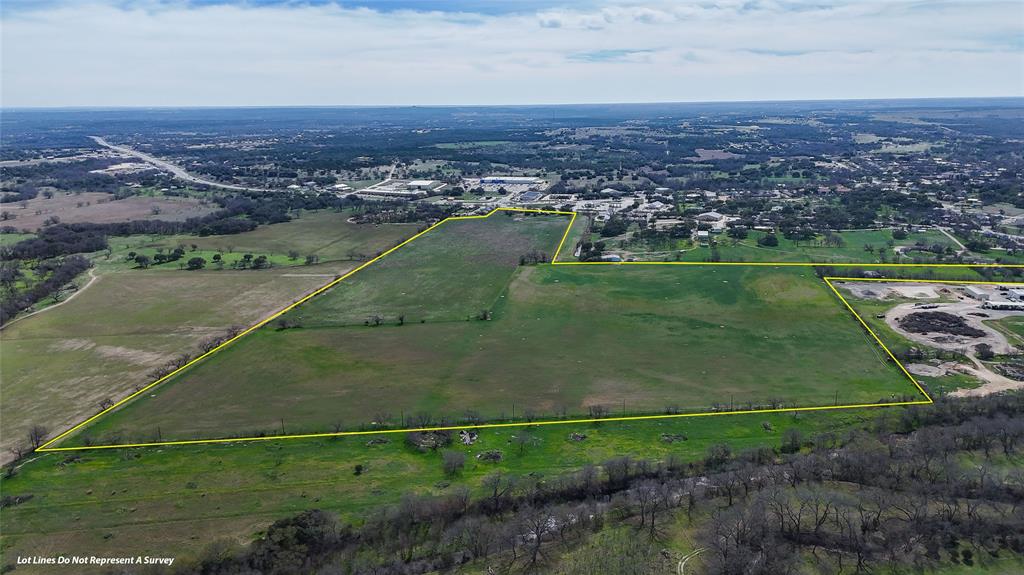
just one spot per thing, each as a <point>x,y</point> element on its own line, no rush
<point>99,207</point>
<point>557,332</point>
<point>450,273</point>
<point>11,239</point>
<point>177,500</point>
<point>562,340</point>
<point>575,236</point>
<point>58,365</point>
<point>852,250</point>
<point>326,234</point>
<point>1011,327</point>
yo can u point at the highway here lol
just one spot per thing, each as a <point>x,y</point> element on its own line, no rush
<point>176,171</point>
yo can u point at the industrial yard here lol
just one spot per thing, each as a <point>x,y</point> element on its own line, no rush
<point>948,329</point>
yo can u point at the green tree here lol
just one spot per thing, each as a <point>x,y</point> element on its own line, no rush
<point>737,232</point>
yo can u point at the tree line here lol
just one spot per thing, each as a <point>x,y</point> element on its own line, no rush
<point>54,273</point>
<point>915,488</point>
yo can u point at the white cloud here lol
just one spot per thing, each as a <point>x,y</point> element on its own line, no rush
<point>155,53</point>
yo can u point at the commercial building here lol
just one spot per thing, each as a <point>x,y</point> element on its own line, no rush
<point>978,293</point>
<point>420,184</point>
<point>510,180</point>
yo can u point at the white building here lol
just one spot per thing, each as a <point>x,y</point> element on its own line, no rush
<point>978,293</point>
<point>510,180</point>
<point>1003,305</point>
<point>420,184</point>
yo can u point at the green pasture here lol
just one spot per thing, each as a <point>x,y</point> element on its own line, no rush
<point>153,500</point>
<point>326,234</point>
<point>11,239</point>
<point>59,365</point>
<point>851,250</point>
<point>563,340</point>
<point>450,273</point>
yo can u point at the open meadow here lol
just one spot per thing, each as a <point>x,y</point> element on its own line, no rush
<point>328,235</point>
<point>852,246</point>
<point>140,501</point>
<point>451,273</point>
<point>59,365</point>
<point>555,341</point>
<point>101,208</point>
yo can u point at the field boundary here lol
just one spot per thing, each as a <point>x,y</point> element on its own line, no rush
<point>49,446</point>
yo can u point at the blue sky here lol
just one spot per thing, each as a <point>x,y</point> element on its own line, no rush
<point>402,52</point>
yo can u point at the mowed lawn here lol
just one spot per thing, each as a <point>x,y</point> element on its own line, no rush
<point>630,339</point>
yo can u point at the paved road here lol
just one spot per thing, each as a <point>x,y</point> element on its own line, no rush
<point>173,169</point>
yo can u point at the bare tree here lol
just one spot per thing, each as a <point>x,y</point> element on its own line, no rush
<point>452,461</point>
<point>523,438</point>
<point>36,435</point>
<point>534,525</point>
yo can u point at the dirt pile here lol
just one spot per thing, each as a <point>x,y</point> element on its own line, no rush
<point>938,322</point>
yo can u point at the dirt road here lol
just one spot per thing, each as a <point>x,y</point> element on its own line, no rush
<point>92,279</point>
<point>949,342</point>
<point>994,382</point>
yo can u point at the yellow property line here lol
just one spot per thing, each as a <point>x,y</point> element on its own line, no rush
<point>275,315</point>
<point>927,281</point>
<point>489,425</point>
<point>47,446</point>
<point>876,338</point>
<point>795,264</point>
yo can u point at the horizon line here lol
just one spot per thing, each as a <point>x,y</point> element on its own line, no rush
<point>98,107</point>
